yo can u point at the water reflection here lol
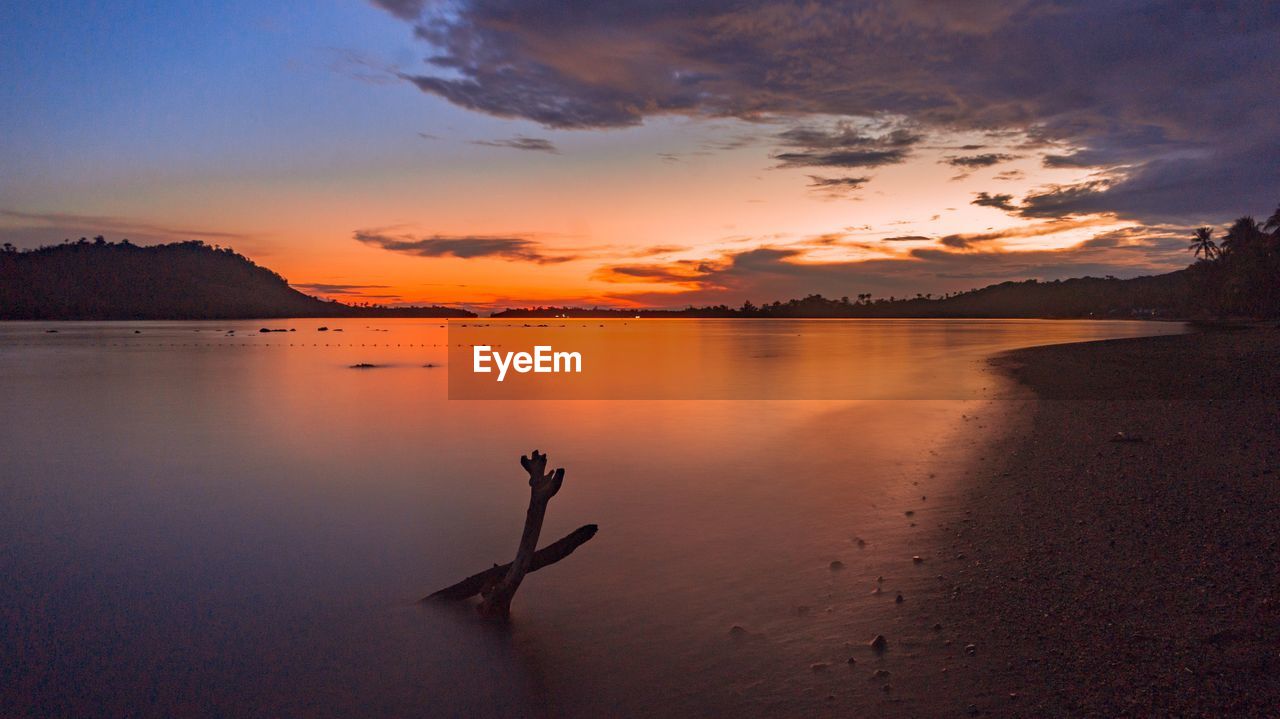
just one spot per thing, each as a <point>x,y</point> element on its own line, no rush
<point>197,523</point>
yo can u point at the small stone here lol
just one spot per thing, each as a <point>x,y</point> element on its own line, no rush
<point>879,643</point>
<point>973,710</point>
<point>886,688</point>
<point>851,661</point>
<point>819,666</point>
<point>837,565</point>
<point>917,559</point>
<point>860,542</point>
<point>898,599</point>
<point>937,627</point>
<point>737,630</point>
<point>881,674</point>
<point>910,513</point>
<point>970,649</point>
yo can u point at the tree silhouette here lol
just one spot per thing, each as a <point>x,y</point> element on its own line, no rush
<point>1273,222</point>
<point>1204,244</point>
<point>1243,235</point>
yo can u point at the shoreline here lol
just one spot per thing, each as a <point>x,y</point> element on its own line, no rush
<point>1135,577</point>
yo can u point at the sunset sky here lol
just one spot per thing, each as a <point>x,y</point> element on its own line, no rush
<point>497,153</point>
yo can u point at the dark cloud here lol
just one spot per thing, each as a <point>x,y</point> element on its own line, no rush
<point>847,159</point>
<point>967,240</point>
<point>462,247</point>
<point>520,142</point>
<point>842,146</point>
<point>1173,93</point>
<point>906,238</point>
<point>837,186</point>
<point>1000,202</point>
<point>1065,200</point>
<point>973,162</point>
<point>403,9</point>
<point>329,288</point>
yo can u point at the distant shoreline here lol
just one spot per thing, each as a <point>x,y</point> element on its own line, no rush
<point>629,317</point>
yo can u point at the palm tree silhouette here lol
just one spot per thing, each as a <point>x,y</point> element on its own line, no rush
<point>1273,222</point>
<point>1243,235</point>
<point>1203,243</point>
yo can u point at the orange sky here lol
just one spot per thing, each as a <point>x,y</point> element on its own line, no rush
<point>302,136</point>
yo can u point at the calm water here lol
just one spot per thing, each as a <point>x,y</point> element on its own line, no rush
<point>193,523</point>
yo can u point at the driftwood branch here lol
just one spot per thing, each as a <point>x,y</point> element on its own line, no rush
<point>498,585</point>
<point>550,554</point>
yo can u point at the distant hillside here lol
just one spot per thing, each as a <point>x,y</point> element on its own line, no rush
<point>102,280</point>
<point>1155,296</point>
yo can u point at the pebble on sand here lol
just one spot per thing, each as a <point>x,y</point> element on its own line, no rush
<point>879,643</point>
<point>899,599</point>
<point>970,649</point>
<point>737,630</point>
<point>837,565</point>
<point>917,559</point>
<point>819,666</point>
<point>881,674</point>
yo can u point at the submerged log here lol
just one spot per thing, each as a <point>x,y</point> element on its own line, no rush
<point>498,585</point>
<point>550,554</point>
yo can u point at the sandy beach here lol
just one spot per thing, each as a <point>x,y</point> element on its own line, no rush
<point>1099,577</point>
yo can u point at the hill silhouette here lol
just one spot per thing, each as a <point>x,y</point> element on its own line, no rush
<point>1155,296</point>
<point>100,280</point>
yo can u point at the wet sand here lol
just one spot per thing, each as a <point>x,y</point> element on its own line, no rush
<point>1097,577</point>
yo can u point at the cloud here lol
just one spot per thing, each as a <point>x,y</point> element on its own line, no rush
<point>658,250</point>
<point>1065,200</point>
<point>29,229</point>
<point>1000,202</point>
<point>837,186</point>
<point>403,9</point>
<point>520,142</point>
<point>976,161</point>
<point>1179,106</point>
<point>466,247</point>
<point>847,159</point>
<point>843,146</point>
<point>906,238</point>
<point>329,288</point>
